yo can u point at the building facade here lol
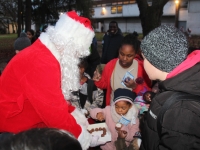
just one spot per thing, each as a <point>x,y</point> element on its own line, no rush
<point>126,13</point>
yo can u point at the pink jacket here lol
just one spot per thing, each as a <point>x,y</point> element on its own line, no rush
<point>131,129</point>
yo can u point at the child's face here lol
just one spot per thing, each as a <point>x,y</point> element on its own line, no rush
<point>122,107</point>
<point>81,70</point>
<point>29,35</point>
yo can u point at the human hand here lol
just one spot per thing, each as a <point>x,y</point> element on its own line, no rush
<point>96,76</point>
<point>95,141</point>
<point>100,116</point>
<point>122,133</point>
<point>130,83</point>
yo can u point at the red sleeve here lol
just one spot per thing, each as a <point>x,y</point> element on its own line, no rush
<point>145,85</point>
<point>42,86</point>
<point>105,77</point>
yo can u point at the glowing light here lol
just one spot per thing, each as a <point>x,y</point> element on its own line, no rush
<point>176,1</point>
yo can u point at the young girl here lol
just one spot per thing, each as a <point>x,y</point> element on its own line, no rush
<point>122,112</point>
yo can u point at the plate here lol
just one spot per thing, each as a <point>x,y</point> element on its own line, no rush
<point>107,137</point>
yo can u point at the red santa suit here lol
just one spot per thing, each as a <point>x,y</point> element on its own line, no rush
<point>31,90</point>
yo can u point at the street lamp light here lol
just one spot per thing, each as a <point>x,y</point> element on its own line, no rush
<point>103,11</point>
<point>176,1</point>
<point>176,13</point>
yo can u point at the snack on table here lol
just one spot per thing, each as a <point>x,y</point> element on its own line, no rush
<point>98,129</point>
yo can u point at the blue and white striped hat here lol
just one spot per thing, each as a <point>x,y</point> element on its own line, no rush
<point>125,95</point>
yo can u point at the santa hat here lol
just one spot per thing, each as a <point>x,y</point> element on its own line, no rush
<point>77,28</point>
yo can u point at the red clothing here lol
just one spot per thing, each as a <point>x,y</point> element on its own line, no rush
<point>30,93</point>
<point>192,59</point>
<point>104,82</point>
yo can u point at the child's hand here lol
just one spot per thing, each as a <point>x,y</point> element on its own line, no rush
<point>122,134</point>
<point>100,116</point>
<point>96,76</point>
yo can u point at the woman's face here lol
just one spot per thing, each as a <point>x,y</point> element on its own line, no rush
<point>29,35</point>
<point>122,107</point>
<point>126,56</point>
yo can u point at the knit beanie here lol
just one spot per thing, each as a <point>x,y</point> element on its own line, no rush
<point>125,95</point>
<point>165,47</point>
<point>22,42</point>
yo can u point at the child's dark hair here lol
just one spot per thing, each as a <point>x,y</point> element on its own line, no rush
<point>83,63</point>
<point>31,31</point>
<point>130,39</point>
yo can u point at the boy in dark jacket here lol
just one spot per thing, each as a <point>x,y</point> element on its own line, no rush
<point>165,59</point>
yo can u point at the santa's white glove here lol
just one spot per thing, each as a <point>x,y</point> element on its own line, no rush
<point>84,111</point>
<point>80,118</point>
<point>95,141</point>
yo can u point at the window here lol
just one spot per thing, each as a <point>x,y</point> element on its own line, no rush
<point>126,2</point>
<point>119,9</point>
<point>132,1</point>
<point>113,10</point>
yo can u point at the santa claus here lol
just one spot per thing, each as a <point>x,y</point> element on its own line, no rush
<point>37,82</point>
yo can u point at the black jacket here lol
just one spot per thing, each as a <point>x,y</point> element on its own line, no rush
<point>111,45</point>
<point>181,122</point>
<point>93,60</point>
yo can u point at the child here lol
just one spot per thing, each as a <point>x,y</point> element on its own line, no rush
<point>143,102</point>
<point>122,112</point>
<point>88,96</point>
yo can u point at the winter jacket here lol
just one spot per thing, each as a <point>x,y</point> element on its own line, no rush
<point>111,45</point>
<point>181,122</point>
<point>104,82</point>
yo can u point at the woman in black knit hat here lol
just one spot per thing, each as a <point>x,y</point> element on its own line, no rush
<point>173,119</point>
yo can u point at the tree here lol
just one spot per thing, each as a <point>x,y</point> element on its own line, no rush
<point>48,11</point>
<point>28,10</point>
<point>150,15</point>
<point>8,13</point>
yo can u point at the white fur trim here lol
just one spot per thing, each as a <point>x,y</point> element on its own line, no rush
<point>70,28</point>
<point>80,118</point>
<point>84,138</point>
<point>44,38</point>
<point>139,141</point>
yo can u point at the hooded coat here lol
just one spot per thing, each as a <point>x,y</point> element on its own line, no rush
<point>180,125</point>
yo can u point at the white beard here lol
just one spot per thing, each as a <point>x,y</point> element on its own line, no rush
<point>70,53</point>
